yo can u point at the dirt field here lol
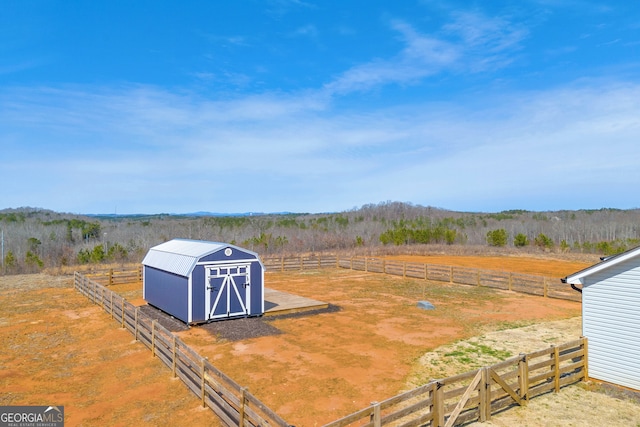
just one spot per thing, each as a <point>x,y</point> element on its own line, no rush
<point>59,349</point>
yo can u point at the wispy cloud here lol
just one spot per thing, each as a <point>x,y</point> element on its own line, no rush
<point>22,66</point>
<point>278,8</point>
<point>308,30</point>
<point>422,56</point>
<point>153,149</point>
<point>225,41</point>
<point>488,42</point>
<point>472,42</point>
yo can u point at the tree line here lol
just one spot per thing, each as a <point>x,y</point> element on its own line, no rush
<point>34,239</point>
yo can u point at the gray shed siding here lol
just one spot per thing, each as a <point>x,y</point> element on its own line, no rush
<point>168,292</point>
<point>611,322</point>
<point>198,309</point>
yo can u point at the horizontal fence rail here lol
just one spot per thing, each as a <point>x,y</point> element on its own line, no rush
<point>310,262</point>
<point>476,395</point>
<point>523,283</point>
<point>114,276</point>
<point>233,404</point>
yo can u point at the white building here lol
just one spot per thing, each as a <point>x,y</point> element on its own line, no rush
<point>611,317</point>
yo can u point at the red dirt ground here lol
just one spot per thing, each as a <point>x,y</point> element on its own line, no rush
<point>59,349</point>
<point>326,366</point>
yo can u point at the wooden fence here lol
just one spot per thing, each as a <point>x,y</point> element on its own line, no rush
<point>478,394</point>
<point>523,283</point>
<point>308,262</point>
<point>116,276</point>
<point>233,404</point>
<point>517,282</point>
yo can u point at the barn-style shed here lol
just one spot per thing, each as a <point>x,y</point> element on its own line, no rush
<point>198,281</point>
<point>611,317</point>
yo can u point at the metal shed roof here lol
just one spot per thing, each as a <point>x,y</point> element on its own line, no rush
<point>180,256</point>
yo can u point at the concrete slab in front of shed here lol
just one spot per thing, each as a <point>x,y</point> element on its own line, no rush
<point>278,302</point>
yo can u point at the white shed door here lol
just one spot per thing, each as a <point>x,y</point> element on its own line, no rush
<point>227,290</point>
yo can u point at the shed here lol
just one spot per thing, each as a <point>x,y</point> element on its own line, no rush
<point>611,317</point>
<point>198,281</point>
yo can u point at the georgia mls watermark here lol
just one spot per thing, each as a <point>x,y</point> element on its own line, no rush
<point>31,416</point>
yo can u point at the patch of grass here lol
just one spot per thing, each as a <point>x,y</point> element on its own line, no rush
<point>503,326</point>
<point>471,353</point>
<point>462,356</point>
<point>489,351</point>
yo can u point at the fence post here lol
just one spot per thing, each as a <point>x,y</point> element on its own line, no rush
<point>153,338</point>
<point>438,404</point>
<point>173,367</point>
<point>451,274</point>
<point>111,305</point>
<point>202,387</point>
<point>585,358</point>
<point>243,399</point>
<point>123,312</point>
<point>110,276</point>
<point>482,396</point>
<point>523,372</point>
<point>478,277</point>
<point>545,287</point>
<point>136,324</point>
<point>376,418</point>
<point>301,263</point>
<point>426,271</point>
<point>282,263</point>
<point>510,281</point>
<point>556,368</point>
<point>404,269</point>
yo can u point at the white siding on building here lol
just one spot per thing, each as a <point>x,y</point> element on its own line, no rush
<point>611,322</point>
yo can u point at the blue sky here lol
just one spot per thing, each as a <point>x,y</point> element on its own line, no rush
<point>319,106</point>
